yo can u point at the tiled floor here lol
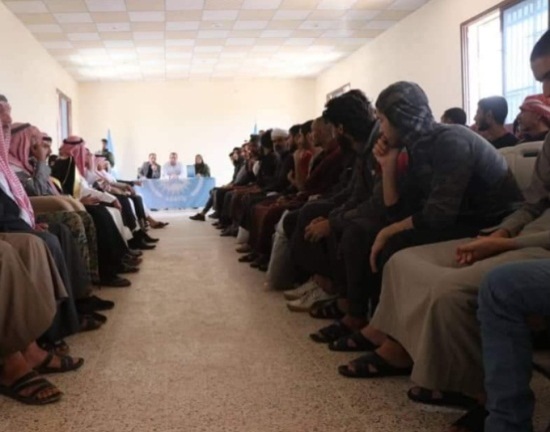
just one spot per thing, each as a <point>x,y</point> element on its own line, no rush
<point>199,344</point>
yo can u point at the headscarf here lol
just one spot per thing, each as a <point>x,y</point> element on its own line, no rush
<point>76,147</point>
<point>407,108</point>
<point>279,133</point>
<point>538,104</point>
<point>20,145</point>
<point>14,184</point>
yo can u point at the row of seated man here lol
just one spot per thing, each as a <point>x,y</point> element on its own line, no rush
<point>172,170</point>
<point>63,229</point>
<point>413,237</point>
<point>491,116</point>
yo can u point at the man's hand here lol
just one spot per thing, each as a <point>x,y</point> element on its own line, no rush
<point>385,155</point>
<point>501,233</point>
<point>116,204</point>
<point>39,151</point>
<point>90,200</point>
<point>483,248</point>
<point>379,243</point>
<point>41,227</point>
<point>317,230</point>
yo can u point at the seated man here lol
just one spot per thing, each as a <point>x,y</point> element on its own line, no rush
<point>150,169</point>
<point>490,117</point>
<point>173,170</point>
<point>454,116</point>
<point>534,118</point>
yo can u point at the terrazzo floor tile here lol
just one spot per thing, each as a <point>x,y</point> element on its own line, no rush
<point>198,343</point>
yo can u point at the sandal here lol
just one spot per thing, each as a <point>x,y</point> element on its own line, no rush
<point>331,333</point>
<point>59,348</point>
<point>89,323</point>
<point>473,420</point>
<point>326,309</point>
<point>68,364</point>
<point>453,399</point>
<point>359,343</point>
<point>362,370</point>
<point>27,381</point>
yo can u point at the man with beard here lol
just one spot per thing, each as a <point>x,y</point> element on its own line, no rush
<point>490,117</point>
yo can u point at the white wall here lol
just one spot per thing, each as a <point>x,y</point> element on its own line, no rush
<point>189,117</point>
<point>425,47</point>
<point>30,77</point>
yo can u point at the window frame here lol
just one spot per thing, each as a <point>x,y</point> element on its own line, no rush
<point>60,98</point>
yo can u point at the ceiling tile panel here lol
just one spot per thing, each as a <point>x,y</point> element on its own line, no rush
<point>109,40</point>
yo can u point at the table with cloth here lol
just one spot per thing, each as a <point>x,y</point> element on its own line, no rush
<point>176,194</point>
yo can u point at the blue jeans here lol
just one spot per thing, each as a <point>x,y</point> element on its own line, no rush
<point>507,296</point>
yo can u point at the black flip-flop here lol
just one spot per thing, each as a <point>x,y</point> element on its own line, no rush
<point>331,333</point>
<point>360,343</point>
<point>451,399</point>
<point>31,379</point>
<point>362,370</point>
<point>68,364</point>
<point>473,420</point>
<point>326,309</point>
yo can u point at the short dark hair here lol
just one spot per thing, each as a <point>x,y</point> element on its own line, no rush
<point>266,141</point>
<point>456,115</point>
<point>104,141</point>
<point>295,130</point>
<point>3,98</point>
<point>542,47</point>
<point>255,138</point>
<point>497,105</point>
<point>306,127</point>
<point>354,112</point>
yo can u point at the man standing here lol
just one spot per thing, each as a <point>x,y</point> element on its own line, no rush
<point>106,153</point>
<point>173,169</point>
<point>490,117</point>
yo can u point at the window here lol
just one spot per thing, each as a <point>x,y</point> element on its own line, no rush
<point>65,116</point>
<point>496,48</point>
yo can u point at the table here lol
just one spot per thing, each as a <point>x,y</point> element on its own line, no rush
<point>171,194</point>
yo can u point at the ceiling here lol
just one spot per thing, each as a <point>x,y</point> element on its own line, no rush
<point>105,40</point>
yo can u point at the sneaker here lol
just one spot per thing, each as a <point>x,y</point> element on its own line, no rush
<point>198,217</point>
<point>296,293</point>
<point>304,303</point>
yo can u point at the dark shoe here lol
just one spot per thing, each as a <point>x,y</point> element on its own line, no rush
<point>88,323</point>
<point>99,317</point>
<point>125,269</point>
<point>263,267</point>
<point>140,244</point>
<point>148,238</point>
<point>227,232</point>
<point>243,249</point>
<point>93,303</point>
<point>198,217</point>
<point>441,398</point>
<point>248,258</point>
<point>473,420</point>
<point>214,215</point>
<point>133,261</point>
<point>116,282</point>
<point>135,252</point>
<point>260,260</point>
